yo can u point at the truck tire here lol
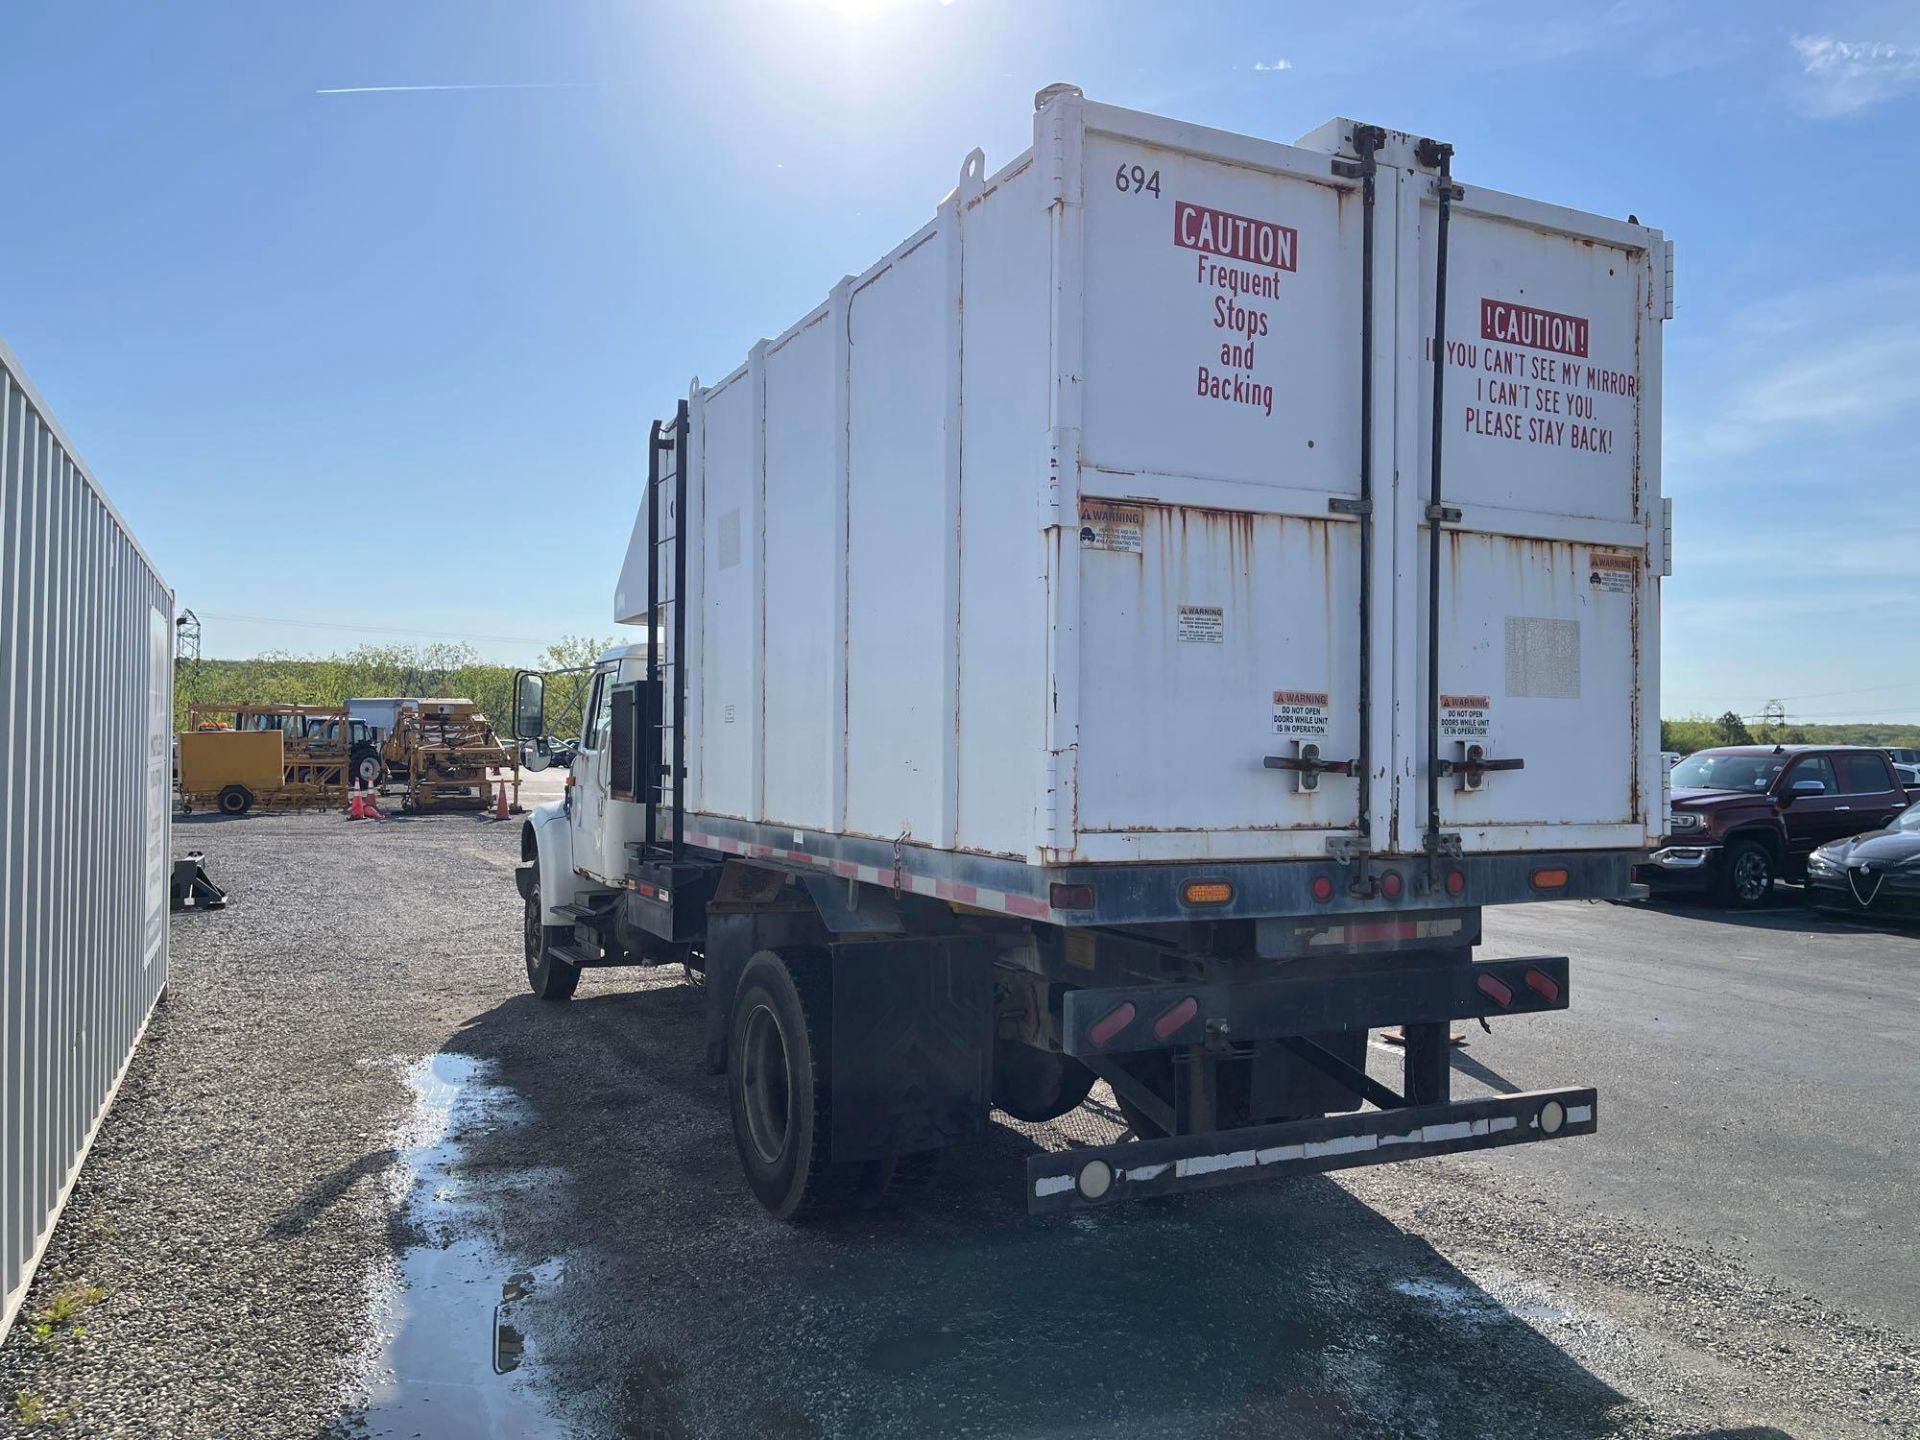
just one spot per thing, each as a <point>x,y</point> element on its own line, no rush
<point>1747,874</point>
<point>1036,1085</point>
<point>550,977</point>
<point>367,768</point>
<point>780,1086</point>
<point>234,800</point>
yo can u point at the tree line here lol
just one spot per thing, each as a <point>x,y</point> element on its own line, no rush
<point>1700,732</point>
<point>277,678</point>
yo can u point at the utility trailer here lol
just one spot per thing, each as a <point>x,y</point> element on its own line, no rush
<point>1098,642</point>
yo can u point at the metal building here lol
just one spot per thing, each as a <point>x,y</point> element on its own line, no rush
<point>86,720</point>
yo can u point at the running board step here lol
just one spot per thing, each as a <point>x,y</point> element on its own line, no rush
<point>579,912</point>
<point>1076,1179</point>
<point>575,956</point>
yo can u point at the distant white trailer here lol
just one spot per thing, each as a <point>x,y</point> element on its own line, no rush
<point>86,721</point>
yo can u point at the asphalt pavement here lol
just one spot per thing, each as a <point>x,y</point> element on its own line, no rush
<point>359,1183</point>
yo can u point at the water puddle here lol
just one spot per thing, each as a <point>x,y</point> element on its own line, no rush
<point>448,1351</point>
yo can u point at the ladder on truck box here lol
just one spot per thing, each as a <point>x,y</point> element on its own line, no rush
<point>663,698</point>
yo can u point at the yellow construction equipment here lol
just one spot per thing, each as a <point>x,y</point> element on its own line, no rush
<point>447,750</point>
<point>235,757</point>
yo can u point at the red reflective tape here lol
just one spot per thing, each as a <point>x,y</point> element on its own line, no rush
<point>1361,933</point>
<point>1034,909</point>
<point>965,894</point>
<point>846,868</point>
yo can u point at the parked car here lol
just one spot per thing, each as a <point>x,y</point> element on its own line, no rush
<point>1876,873</point>
<point>1909,775</point>
<point>1747,815</point>
<point>1907,755</point>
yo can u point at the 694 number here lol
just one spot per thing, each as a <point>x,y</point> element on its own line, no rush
<point>1134,180</point>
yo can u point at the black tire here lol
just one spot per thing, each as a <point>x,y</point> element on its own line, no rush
<point>234,800</point>
<point>549,977</point>
<point>1036,1085</point>
<point>1747,873</point>
<point>780,1086</point>
<point>367,768</point>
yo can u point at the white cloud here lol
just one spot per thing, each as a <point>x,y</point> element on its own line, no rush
<point>1844,77</point>
<point>1830,360</point>
<point>1281,64</point>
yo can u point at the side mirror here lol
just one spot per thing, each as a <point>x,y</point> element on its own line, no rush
<point>529,706</point>
<point>534,755</point>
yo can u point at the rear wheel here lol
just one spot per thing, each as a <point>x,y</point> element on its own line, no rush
<point>235,800</point>
<point>780,1089</point>
<point>366,768</point>
<point>1746,877</point>
<point>549,976</point>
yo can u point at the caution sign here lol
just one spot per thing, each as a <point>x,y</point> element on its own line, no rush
<point>1107,525</point>
<point>1465,717</point>
<point>1301,713</point>
<point>1203,625</point>
<point>1611,572</point>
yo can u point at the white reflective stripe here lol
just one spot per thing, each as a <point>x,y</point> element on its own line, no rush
<point>1052,1184</point>
<point>1453,1130</point>
<point>1206,1164</point>
<point>1502,1122</point>
<point>1576,1114</point>
<point>1341,1145</point>
<point>1412,1137</point>
<point>1148,1172</point>
<point>1281,1152</point>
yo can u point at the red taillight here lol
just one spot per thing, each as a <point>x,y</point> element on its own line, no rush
<point>1112,1023</point>
<point>1456,881</point>
<point>1391,884</point>
<point>1322,888</point>
<point>1070,897</point>
<point>1543,985</point>
<point>1176,1019</point>
<point>1495,990</point>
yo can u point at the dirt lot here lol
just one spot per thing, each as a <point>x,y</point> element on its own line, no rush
<point>359,1183</point>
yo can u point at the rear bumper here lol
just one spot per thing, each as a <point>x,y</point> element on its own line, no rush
<point>1081,1179</point>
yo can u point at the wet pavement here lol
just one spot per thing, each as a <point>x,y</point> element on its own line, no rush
<point>362,1184</point>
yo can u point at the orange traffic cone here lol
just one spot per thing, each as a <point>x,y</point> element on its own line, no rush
<point>356,809</point>
<point>500,806</point>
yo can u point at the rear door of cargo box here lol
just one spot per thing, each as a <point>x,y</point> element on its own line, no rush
<point>1548,610</point>
<point>1208,615</point>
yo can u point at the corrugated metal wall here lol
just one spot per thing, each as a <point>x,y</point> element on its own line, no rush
<point>86,682</point>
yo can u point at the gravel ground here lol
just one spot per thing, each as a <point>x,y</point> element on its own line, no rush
<point>358,1183</point>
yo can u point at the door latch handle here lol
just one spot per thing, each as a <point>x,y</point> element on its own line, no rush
<point>1308,767</point>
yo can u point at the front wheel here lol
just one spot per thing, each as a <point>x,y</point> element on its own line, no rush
<point>549,976</point>
<point>235,800</point>
<point>1747,877</point>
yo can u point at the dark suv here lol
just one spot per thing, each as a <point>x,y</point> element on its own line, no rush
<point>1746,815</point>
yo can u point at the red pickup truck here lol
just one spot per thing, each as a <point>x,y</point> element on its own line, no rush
<point>1746,815</point>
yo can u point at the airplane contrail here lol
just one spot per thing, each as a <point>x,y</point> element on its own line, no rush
<point>522,85</point>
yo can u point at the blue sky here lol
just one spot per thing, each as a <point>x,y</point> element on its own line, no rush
<point>388,357</point>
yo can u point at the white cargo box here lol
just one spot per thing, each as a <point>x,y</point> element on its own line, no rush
<point>1040,537</point>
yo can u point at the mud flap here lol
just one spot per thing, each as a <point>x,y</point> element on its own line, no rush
<point>912,1045</point>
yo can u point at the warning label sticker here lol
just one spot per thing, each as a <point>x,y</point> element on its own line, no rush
<point>1105,525</point>
<point>1203,625</point>
<point>1300,712</point>
<point>1465,717</point>
<point>1611,572</point>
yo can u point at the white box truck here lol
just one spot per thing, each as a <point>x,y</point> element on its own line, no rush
<point>1098,642</point>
